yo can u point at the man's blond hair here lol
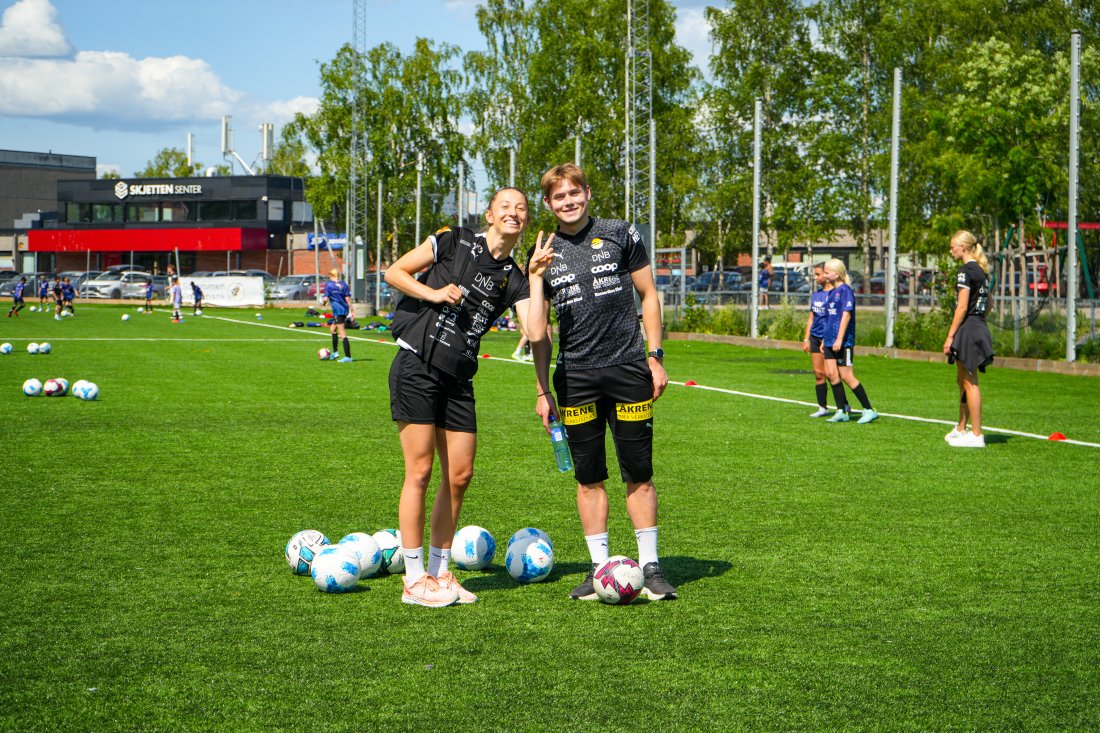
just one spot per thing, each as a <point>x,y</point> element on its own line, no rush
<point>564,172</point>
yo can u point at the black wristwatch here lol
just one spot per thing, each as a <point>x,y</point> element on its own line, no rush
<point>657,354</point>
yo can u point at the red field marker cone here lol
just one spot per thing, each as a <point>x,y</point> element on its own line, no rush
<point>690,383</point>
<point>485,356</point>
<point>1057,436</point>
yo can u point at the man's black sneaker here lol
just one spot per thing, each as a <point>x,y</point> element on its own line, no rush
<point>657,588</point>
<point>586,591</point>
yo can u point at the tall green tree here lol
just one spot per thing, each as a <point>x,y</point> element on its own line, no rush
<point>169,163</point>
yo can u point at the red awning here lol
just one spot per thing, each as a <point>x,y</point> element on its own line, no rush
<point>231,239</point>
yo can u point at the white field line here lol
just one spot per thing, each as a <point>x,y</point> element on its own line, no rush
<point>734,392</point>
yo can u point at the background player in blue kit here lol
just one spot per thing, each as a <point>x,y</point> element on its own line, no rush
<point>196,293</point>
<point>815,332</point>
<point>604,377</point>
<point>968,342</point>
<point>148,297</point>
<point>471,280</point>
<point>17,298</point>
<point>839,343</point>
<point>43,293</point>
<point>68,295</point>
<point>338,296</point>
<point>764,280</point>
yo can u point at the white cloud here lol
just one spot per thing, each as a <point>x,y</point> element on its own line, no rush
<point>108,89</point>
<point>693,33</point>
<point>282,111</point>
<point>30,29</point>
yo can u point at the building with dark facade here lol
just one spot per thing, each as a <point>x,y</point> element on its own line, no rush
<point>216,223</point>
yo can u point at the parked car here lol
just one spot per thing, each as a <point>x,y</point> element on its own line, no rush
<point>788,281</point>
<point>134,283</point>
<point>114,285</point>
<point>34,279</point>
<point>293,287</point>
<point>711,280</point>
<point>670,282</point>
<point>124,268</point>
<point>267,276</point>
<point>79,277</point>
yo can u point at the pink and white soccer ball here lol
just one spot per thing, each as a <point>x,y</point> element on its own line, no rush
<point>53,388</point>
<point>618,580</point>
<point>324,354</point>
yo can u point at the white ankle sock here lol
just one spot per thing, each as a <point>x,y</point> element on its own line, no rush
<point>647,545</point>
<point>439,560</point>
<point>597,546</point>
<point>414,564</point>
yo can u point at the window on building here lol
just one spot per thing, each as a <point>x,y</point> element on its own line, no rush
<point>179,211</point>
<point>78,213</point>
<point>215,211</point>
<point>245,210</point>
<point>104,213</point>
<point>142,213</point>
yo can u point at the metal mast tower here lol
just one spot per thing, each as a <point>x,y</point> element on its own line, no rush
<point>639,69</point>
<point>357,193</point>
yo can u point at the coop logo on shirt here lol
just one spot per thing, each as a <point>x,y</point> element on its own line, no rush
<point>606,267</point>
<point>563,279</point>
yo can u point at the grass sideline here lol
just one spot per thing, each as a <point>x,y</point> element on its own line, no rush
<point>832,576</point>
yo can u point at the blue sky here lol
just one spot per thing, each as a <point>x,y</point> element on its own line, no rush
<point>121,79</point>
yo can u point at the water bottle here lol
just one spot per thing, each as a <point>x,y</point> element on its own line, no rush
<point>561,446</point>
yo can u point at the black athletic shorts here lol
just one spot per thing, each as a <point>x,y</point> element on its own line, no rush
<point>424,395</point>
<point>620,396</point>
<point>815,344</point>
<point>842,357</point>
<point>340,318</point>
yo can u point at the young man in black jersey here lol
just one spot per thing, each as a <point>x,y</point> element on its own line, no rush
<point>590,269</point>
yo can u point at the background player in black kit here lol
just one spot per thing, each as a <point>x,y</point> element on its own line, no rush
<point>472,279</point>
<point>604,375</point>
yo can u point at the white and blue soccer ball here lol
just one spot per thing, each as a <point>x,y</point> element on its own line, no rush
<point>44,348</point>
<point>366,551</point>
<point>618,580</point>
<point>198,312</point>
<point>389,543</point>
<point>85,390</point>
<point>473,548</point>
<point>529,560</point>
<point>527,533</point>
<point>323,354</point>
<point>34,309</point>
<point>302,548</point>
<point>32,348</point>
<point>335,569</point>
<point>64,384</point>
<point>125,316</point>
<point>32,388</point>
<point>259,316</point>
<point>5,348</point>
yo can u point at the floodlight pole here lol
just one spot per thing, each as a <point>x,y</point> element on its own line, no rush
<point>419,181</point>
<point>512,167</point>
<point>461,191</point>
<point>378,255</point>
<point>754,329</point>
<point>892,248</point>
<point>1071,226</point>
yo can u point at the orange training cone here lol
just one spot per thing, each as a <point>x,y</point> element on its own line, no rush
<point>1057,436</point>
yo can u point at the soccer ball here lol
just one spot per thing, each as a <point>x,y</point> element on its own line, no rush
<point>32,388</point>
<point>366,552</point>
<point>302,548</point>
<point>34,309</point>
<point>259,316</point>
<point>125,316</point>
<point>324,354</point>
<point>335,569</point>
<point>389,542</point>
<point>53,388</point>
<point>527,533</point>
<point>32,348</point>
<point>44,348</point>
<point>618,580</point>
<point>86,390</point>
<point>473,548</point>
<point>530,560</point>
<point>64,384</point>
<point>198,312</point>
<point>5,348</point>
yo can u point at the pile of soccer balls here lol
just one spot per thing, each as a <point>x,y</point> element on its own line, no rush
<point>59,387</point>
<point>338,568</point>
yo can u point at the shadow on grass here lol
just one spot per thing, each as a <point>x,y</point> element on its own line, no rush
<point>681,570</point>
<point>995,438</point>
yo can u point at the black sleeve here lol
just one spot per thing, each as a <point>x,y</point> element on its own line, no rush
<point>636,255</point>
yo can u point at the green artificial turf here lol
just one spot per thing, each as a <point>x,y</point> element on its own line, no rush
<point>861,577</point>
